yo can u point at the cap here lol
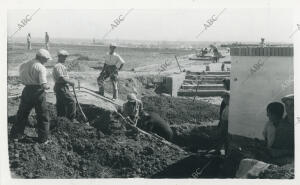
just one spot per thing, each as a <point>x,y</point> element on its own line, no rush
<point>63,53</point>
<point>112,45</point>
<point>44,53</point>
<point>287,97</point>
<point>131,97</point>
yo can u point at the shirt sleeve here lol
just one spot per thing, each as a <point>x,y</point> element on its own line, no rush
<point>60,71</point>
<point>42,75</point>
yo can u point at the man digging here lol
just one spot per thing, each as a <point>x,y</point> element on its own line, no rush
<point>65,104</point>
<point>113,63</point>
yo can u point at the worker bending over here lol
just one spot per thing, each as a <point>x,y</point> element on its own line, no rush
<point>65,104</point>
<point>133,108</point>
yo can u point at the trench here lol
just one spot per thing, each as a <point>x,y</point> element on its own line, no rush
<point>191,166</point>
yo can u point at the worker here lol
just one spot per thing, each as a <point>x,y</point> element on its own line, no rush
<point>223,124</point>
<point>33,75</point>
<point>29,41</point>
<point>65,104</point>
<point>215,55</point>
<point>223,66</point>
<point>275,112</point>
<point>113,64</point>
<point>47,39</point>
<point>133,108</point>
<point>281,146</point>
<point>226,84</point>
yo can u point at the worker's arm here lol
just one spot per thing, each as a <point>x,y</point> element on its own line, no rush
<point>67,81</point>
<point>121,62</point>
<point>43,78</point>
<point>121,66</point>
<point>270,136</point>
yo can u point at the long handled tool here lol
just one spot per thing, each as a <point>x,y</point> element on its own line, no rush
<point>84,117</point>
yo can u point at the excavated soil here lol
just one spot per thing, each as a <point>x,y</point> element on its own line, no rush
<point>109,149</point>
<point>181,111</point>
<point>76,151</point>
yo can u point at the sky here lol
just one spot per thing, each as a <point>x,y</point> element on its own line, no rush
<point>234,24</point>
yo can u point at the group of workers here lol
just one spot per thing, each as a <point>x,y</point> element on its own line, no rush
<point>33,75</point>
<point>278,132</point>
<point>47,41</point>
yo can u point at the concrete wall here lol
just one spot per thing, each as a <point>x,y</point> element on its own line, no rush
<point>251,93</point>
<point>173,82</point>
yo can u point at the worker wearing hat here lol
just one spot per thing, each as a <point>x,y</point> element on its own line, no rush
<point>65,104</point>
<point>223,124</point>
<point>133,108</point>
<point>33,75</point>
<point>113,63</point>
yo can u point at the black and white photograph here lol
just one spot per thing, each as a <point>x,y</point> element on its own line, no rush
<point>125,91</point>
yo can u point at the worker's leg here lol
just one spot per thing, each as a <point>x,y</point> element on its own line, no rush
<point>25,107</point>
<point>47,45</point>
<point>100,80</point>
<point>114,81</point>
<point>42,117</point>
<point>69,104</point>
<point>60,108</point>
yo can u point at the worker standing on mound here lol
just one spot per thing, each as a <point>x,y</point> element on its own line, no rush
<point>113,63</point>
<point>65,104</point>
<point>133,108</point>
<point>33,75</point>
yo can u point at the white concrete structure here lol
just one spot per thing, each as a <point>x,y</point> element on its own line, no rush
<point>259,76</point>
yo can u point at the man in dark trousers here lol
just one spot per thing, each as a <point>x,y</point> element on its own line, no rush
<point>33,75</point>
<point>113,64</point>
<point>65,104</point>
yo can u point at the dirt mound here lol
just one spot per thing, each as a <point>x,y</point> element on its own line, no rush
<point>76,151</point>
<point>193,137</point>
<point>179,111</point>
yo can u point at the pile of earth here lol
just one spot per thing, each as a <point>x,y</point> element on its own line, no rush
<point>179,111</point>
<point>75,151</point>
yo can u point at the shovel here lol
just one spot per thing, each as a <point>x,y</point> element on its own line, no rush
<point>82,113</point>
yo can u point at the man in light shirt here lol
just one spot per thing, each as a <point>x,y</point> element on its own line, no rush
<point>113,63</point>
<point>65,104</point>
<point>33,75</point>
